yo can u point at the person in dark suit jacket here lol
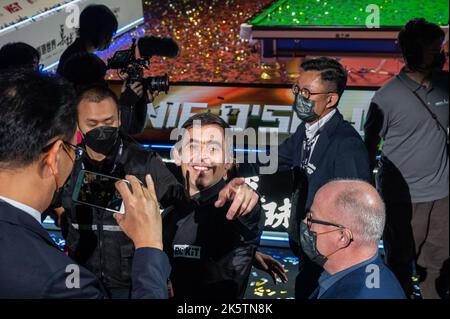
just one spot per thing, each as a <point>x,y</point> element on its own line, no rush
<point>38,121</point>
<point>324,147</point>
<point>341,233</point>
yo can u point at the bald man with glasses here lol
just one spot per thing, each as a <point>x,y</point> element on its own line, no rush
<point>341,233</point>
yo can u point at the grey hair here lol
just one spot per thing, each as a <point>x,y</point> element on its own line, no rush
<point>366,218</point>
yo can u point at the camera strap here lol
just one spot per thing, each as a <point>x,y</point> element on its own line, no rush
<point>432,114</point>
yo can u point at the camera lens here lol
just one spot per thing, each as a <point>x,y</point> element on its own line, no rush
<point>157,83</point>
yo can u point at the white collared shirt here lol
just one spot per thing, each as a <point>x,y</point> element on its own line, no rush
<point>311,130</point>
<point>27,209</point>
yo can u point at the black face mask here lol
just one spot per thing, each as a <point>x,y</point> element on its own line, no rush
<point>308,241</point>
<point>102,139</point>
<point>305,109</point>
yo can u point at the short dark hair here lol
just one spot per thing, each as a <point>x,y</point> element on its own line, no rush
<point>97,93</point>
<point>18,55</point>
<point>206,118</point>
<point>331,71</point>
<point>34,109</point>
<point>414,36</point>
<point>97,24</point>
<point>84,69</point>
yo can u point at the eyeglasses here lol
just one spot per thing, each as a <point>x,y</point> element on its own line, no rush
<point>79,151</point>
<point>305,92</point>
<point>310,221</point>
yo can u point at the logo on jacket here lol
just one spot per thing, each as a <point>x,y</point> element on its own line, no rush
<point>187,251</point>
<point>310,169</point>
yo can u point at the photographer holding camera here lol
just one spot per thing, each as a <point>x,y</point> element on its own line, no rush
<point>80,66</point>
<point>97,27</point>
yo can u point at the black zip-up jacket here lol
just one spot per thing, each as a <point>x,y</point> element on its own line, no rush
<point>93,237</point>
<point>211,257</point>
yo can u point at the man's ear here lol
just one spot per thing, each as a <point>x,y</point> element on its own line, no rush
<point>345,238</point>
<point>332,100</point>
<point>51,159</point>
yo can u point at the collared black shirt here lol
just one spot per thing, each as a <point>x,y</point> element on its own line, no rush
<point>211,257</point>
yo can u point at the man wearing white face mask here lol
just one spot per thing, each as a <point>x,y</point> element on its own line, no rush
<point>341,233</point>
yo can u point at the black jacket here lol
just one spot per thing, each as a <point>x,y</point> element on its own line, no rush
<point>93,237</point>
<point>211,257</point>
<point>133,112</point>
<point>353,285</point>
<point>33,267</point>
<point>76,47</point>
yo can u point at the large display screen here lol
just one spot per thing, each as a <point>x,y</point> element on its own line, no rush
<point>245,107</point>
<point>350,13</point>
<point>242,107</point>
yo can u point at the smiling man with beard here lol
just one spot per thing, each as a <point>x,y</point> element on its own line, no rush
<point>211,255</point>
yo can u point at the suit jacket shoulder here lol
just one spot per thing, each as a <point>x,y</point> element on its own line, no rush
<point>373,281</point>
<point>32,265</point>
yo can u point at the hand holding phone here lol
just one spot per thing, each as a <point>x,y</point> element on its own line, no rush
<point>98,191</point>
<point>142,219</point>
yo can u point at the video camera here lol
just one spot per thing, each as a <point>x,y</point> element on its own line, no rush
<point>126,62</point>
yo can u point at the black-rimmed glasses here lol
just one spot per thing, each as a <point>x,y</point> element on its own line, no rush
<point>310,221</point>
<point>305,92</point>
<point>79,151</point>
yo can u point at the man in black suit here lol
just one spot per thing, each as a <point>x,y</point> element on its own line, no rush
<point>37,136</point>
<point>323,148</point>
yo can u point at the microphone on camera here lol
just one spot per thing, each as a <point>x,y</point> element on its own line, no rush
<point>150,46</point>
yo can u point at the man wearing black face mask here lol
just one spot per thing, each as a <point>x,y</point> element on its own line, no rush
<point>323,148</point>
<point>37,153</point>
<point>410,113</point>
<point>94,238</point>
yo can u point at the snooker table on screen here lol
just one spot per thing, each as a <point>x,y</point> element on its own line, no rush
<point>301,27</point>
